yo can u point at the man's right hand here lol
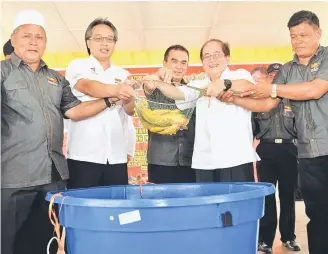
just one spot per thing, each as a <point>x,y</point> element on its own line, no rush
<point>149,86</point>
<point>165,74</point>
<point>153,76</point>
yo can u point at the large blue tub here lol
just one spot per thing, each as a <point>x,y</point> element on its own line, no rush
<point>205,218</point>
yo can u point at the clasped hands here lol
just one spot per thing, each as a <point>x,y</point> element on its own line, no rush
<point>216,89</point>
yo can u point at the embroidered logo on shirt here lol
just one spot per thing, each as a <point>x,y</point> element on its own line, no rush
<point>314,67</point>
<point>52,81</point>
<point>93,70</point>
<point>117,80</point>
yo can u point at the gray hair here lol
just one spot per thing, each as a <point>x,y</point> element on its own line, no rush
<point>96,22</point>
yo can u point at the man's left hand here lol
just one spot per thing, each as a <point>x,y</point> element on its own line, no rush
<point>130,82</point>
<point>262,90</point>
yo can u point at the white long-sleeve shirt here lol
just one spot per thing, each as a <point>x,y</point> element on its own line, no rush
<point>224,136</point>
<point>108,136</point>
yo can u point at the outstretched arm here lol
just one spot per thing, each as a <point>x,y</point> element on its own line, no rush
<point>260,105</point>
<point>168,90</point>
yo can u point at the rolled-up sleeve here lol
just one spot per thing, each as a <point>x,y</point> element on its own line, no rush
<point>280,78</point>
<point>68,99</point>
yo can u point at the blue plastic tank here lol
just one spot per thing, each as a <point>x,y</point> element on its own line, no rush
<point>195,218</point>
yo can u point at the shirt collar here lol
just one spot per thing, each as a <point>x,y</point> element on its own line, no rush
<point>96,64</point>
<point>225,72</point>
<point>17,61</point>
<point>295,59</point>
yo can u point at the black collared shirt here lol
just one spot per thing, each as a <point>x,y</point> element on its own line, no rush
<point>171,150</point>
<point>279,123</point>
<point>32,109</point>
<point>311,116</point>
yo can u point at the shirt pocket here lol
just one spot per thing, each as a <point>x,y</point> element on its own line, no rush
<point>19,101</point>
<point>55,93</point>
<point>17,93</point>
<point>288,121</point>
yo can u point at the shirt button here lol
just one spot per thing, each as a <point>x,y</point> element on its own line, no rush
<point>312,140</point>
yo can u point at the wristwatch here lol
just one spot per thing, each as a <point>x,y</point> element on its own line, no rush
<point>108,103</point>
<point>228,84</point>
<point>274,93</point>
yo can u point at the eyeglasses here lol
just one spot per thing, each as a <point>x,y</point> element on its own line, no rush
<point>102,39</point>
<point>215,56</point>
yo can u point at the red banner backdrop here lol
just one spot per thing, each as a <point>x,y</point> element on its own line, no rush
<point>139,162</point>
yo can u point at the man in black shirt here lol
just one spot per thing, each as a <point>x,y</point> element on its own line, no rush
<point>276,132</point>
<point>169,156</point>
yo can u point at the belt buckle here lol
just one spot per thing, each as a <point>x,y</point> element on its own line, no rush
<point>278,141</point>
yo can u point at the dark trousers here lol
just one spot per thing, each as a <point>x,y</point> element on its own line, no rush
<point>314,186</point>
<point>25,226</point>
<point>241,173</point>
<point>170,174</point>
<point>278,164</point>
<point>298,193</point>
<point>87,174</point>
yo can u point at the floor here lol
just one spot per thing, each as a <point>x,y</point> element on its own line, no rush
<point>301,221</point>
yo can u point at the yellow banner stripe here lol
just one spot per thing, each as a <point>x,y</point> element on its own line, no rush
<point>155,57</point>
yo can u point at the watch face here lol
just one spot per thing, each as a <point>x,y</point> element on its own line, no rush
<point>227,83</point>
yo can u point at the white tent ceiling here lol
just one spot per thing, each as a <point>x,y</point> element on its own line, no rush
<point>156,25</point>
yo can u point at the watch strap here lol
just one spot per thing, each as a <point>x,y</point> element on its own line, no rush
<point>274,91</point>
<point>108,103</point>
<point>227,84</point>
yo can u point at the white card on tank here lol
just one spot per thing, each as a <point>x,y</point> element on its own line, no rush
<point>129,217</point>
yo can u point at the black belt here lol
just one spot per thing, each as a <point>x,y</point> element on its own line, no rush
<point>277,141</point>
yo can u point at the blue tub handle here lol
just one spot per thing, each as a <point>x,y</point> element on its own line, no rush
<point>226,219</point>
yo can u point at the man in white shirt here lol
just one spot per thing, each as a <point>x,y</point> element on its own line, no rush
<point>97,148</point>
<point>223,148</point>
